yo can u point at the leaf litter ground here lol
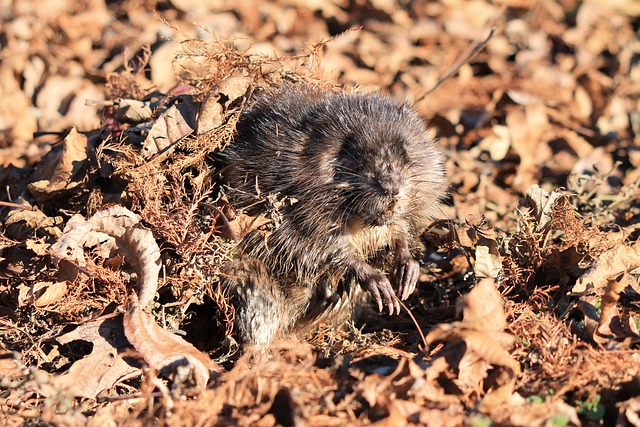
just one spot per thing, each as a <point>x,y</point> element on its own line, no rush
<point>114,230</point>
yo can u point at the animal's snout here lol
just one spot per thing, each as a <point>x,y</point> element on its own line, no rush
<point>390,186</point>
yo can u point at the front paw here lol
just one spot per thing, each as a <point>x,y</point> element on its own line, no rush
<point>380,288</point>
<point>405,275</point>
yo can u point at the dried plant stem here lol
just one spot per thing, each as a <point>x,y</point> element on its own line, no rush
<point>17,206</point>
<point>472,52</point>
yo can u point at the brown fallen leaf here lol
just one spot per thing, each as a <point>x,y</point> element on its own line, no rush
<point>211,113</point>
<point>67,175</point>
<point>610,264</point>
<point>16,116</point>
<point>542,414</point>
<point>526,129</point>
<point>243,224</point>
<point>41,294</point>
<point>38,246</point>
<point>161,349</point>
<point>9,368</point>
<point>218,101</point>
<point>134,111</point>
<point>23,223</point>
<point>608,308</point>
<point>542,203</point>
<point>497,143</point>
<point>476,344</point>
<point>113,231</point>
<point>488,262</point>
<point>175,123</point>
<point>103,367</point>
<point>609,329</point>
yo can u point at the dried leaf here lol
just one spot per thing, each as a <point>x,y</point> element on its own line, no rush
<point>174,124</point>
<point>542,203</point>
<point>611,264</point>
<point>161,349</point>
<point>103,367</point>
<point>23,223</point>
<point>542,414</point>
<point>234,87</point>
<point>629,409</point>
<point>609,308</point>
<point>68,170</point>
<point>41,294</point>
<point>211,113</point>
<point>243,224</point>
<point>114,230</point>
<point>484,344</point>
<point>526,129</point>
<point>134,111</point>
<point>218,101</point>
<point>488,262</point>
<point>9,368</point>
<point>38,247</point>
<point>583,104</point>
<point>498,143</point>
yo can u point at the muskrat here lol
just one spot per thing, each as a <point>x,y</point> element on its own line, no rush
<point>361,181</point>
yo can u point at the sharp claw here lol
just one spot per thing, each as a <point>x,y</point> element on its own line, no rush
<point>402,288</point>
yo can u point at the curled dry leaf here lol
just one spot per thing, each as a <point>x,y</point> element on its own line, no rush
<point>211,113</point>
<point>609,327</point>
<point>542,203</point>
<point>159,347</point>
<point>110,231</point>
<point>174,124</point>
<point>476,235</point>
<point>69,164</point>
<point>162,349</point>
<point>609,309</point>
<point>243,224</point>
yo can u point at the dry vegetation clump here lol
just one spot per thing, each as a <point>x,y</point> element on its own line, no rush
<point>114,227</point>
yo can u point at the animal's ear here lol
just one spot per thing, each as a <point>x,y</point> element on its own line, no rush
<point>347,159</point>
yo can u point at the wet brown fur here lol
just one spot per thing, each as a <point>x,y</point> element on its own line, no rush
<point>365,181</point>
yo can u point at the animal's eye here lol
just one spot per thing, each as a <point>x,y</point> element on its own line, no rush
<point>348,156</point>
<point>349,164</point>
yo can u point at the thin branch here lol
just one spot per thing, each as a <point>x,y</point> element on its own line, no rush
<point>17,206</point>
<point>472,52</point>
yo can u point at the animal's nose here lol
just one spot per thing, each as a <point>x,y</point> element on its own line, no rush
<point>389,185</point>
